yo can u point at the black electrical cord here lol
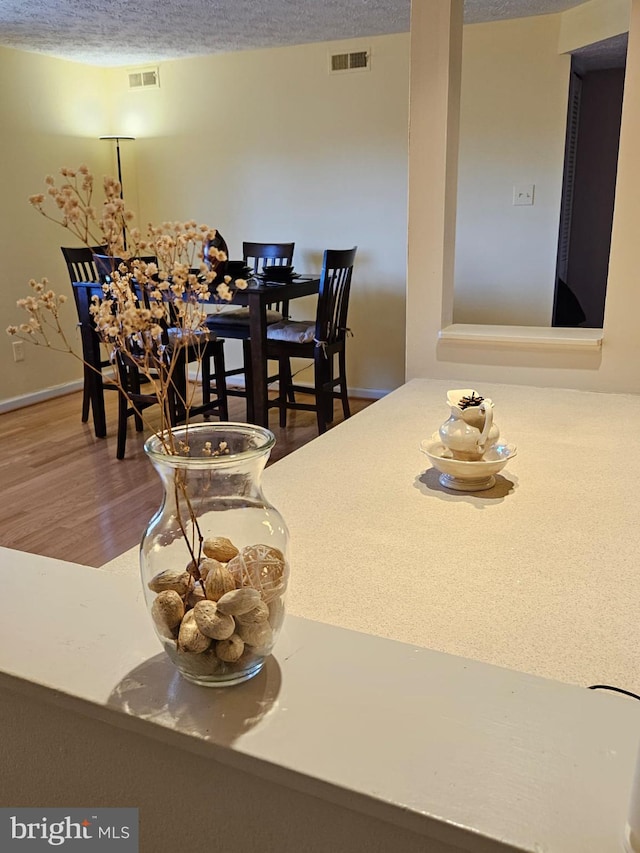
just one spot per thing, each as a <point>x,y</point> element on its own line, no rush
<point>615,689</point>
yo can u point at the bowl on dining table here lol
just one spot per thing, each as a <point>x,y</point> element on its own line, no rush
<point>276,272</point>
<point>238,269</point>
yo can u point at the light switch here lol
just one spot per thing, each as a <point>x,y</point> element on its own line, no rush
<point>523,193</point>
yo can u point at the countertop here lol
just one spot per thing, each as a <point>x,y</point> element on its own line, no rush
<point>406,684</point>
<point>444,751</point>
<point>540,573</point>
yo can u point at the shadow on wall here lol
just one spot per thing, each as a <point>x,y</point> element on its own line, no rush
<point>377,318</point>
<point>507,358</point>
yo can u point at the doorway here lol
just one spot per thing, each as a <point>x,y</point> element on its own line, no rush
<point>588,191</point>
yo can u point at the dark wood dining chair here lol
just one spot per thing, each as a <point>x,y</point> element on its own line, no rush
<point>207,349</point>
<point>81,268</point>
<point>80,263</point>
<point>234,322</point>
<point>322,340</point>
<point>259,256</point>
<point>135,397</point>
<point>106,265</point>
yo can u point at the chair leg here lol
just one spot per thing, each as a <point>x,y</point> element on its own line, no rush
<point>176,399</point>
<point>221,382</point>
<point>174,411</point>
<point>284,370</point>
<point>329,385</point>
<point>86,396</point>
<point>206,384</point>
<point>123,405</point>
<point>248,378</point>
<point>321,377</point>
<point>96,395</point>
<point>344,394</point>
<point>134,385</point>
<point>291,396</point>
<point>285,391</point>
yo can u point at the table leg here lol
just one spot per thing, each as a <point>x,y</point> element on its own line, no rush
<point>258,334</point>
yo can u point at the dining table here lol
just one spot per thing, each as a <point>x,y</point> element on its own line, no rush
<point>257,296</point>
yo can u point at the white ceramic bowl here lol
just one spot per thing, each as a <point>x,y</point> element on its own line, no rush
<point>467,476</point>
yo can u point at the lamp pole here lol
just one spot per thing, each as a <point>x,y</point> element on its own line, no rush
<point>117,139</point>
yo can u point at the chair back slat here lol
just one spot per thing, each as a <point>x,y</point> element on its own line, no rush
<point>83,293</point>
<point>106,265</point>
<point>80,263</point>
<point>256,255</point>
<point>259,255</point>
<point>333,297</point>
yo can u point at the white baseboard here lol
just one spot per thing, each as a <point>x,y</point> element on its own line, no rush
<point>238,382</point>
<point>368,393</point>
<point>39,396</point>
<point>69,387</point>
<point>363,393</point>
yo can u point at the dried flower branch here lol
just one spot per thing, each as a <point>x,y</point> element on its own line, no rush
<point>150,310</point>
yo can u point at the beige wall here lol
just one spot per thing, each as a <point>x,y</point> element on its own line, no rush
<point>323,164</point>
<point>621,358</point>
<point>436,57</point>
<point>615,367</point>
<point>513,108</point>
<point>50,116</point>
<point>264,145</point>
<point>593,21</point>
<point>267,145</point>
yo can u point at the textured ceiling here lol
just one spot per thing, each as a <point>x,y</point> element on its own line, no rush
<point>132,32</point>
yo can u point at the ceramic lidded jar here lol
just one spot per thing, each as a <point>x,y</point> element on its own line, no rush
<point>469,430</point>
<point>214,558</point>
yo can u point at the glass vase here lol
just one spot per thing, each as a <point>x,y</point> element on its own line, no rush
<point>213,558</point>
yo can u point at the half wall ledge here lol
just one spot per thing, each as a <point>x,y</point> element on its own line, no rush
<point>540,337</point>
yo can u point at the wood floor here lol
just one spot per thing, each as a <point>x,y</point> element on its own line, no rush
<point>64,493</point>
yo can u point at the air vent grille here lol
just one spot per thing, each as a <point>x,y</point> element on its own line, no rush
<point>359,60</point>
<point>144,78</point>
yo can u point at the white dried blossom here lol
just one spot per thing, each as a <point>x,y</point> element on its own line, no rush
<point>224,292</point>
<point>141,299</point>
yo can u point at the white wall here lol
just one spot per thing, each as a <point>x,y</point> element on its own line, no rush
<point>513,108</point>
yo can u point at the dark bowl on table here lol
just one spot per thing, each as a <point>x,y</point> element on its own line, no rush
<point>277,273</point>
<point>238,269</point>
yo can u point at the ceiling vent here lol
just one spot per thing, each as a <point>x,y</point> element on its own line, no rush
<point>359,60</point>
<point>144,78</point>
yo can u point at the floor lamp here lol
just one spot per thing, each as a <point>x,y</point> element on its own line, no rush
<point>117,139</point>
